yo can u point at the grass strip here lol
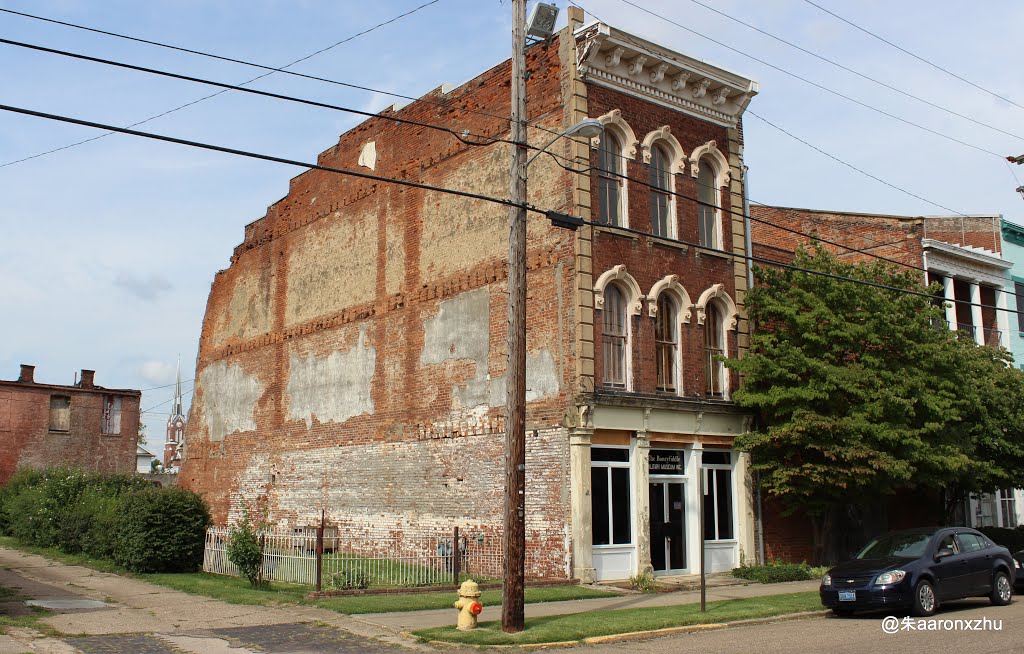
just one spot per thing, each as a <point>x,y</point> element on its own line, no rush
<point>236,590</point>
<point>577,626</point>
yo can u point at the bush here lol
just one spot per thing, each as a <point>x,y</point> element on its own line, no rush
<point>22,479</point>
<point>643,582</point>
<point>1011,539</point>
<point>349,580</point>
<point>775,572</point>
<point>161,530</point>
<point>245,550</point>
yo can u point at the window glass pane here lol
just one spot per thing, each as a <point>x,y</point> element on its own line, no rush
<point>1019,292</point>
<point>710,533</point>
<point>706,193</point>
<point>620,506</point>
<point>716,458</point>
<point>609,454</point>
<point>609,182</point>
<point>723,497</point>
<point>971,543</point>
<point>599,504</point>
<point>659,198</point>
<point>665,338</point>
<point>613,337</point>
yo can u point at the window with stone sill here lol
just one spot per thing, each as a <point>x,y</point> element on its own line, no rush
<point>660,193</point>
<point>708,229</point>
<point>614,337</point>
<point>666,344</point>
<point>609,180</point>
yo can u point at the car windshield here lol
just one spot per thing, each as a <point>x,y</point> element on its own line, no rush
<point>910,546</point>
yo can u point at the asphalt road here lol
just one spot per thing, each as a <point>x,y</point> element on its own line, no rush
<point>859,634</point>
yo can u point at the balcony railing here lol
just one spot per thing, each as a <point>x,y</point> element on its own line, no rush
<point>993,337</point>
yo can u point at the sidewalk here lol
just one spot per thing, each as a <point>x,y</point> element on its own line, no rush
<point>415,620</point>
<point>128,616</point>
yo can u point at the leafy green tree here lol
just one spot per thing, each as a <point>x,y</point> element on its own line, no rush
<point>861,392</point>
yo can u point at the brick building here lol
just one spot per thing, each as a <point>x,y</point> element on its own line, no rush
<point>83,425</point>
<point>352,357</point>
<point>964,255</point>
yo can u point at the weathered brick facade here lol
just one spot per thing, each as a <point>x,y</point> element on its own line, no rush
<point>352,357</point>
<point>84,426</point>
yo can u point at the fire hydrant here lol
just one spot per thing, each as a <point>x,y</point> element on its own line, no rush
<point>469,605</point>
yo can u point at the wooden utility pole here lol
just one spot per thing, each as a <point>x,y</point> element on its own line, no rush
<point>512,616</point>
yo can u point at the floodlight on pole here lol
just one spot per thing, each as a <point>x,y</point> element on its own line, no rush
<point>587,128</point>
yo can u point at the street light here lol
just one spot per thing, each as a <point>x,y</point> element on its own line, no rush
<point>587,128</point>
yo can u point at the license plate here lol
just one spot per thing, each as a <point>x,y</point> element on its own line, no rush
<point>847,596</point>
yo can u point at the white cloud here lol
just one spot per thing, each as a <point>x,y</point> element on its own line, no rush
<point>156,372</point>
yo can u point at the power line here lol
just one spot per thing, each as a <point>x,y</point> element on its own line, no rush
<point>915,56</point>
<point>156,388</point>
<point>799,77</point>
<point>853,71</point>
<point>267,94</point>
<point>157,406</point>
<point>501,201</point>
<point>197,101</point>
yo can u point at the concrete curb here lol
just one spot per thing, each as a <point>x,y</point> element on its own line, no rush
<point>633,635</point>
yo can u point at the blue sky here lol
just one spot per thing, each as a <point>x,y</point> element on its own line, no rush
<point>108,249</point>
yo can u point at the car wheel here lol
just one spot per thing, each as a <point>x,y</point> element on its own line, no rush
<point>1001,590</point>
<point>924,599</point>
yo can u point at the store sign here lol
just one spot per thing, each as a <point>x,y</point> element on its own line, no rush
<point>666,462</point>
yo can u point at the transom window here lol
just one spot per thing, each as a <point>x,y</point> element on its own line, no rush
<point>660,193</point>
<point>666,343</point>
<point>609,180</point>
<point>613,337</point>
<point>707,216</point>
<point>714,349</point>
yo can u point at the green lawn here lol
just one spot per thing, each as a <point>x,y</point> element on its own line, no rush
<point>578,626</point>
<point>237,590</point>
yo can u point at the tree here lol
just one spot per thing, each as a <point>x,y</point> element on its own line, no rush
<point>141,438</point>
<point>861,392</point>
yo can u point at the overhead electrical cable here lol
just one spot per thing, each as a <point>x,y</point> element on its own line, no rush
<point>476,196</point>
<point>271,70</point>
<point>277,96</point>
<point>801,78</point>
<point>853,71</point>
<point>915,56</point>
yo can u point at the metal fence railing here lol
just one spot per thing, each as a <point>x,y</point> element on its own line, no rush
<point>350,557</point>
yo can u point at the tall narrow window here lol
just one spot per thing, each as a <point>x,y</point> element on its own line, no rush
<point>660,181</point>
<point>1018,291</point>
<point>613,337</point>
<point>718,506</point>
<point>666,343</point>
<point>714,348</point>
<point>707,212</point>
<point>610,496</point>
<point>609,180</point>
<point>1008,508</point>
<point>111,414</point>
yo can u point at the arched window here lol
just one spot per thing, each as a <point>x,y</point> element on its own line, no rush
<point>609,180</point>
<point>613,337</point>
<point>666,343</point>
<point>716,381</point>
<point>708,231</point>
<point>661,179</point>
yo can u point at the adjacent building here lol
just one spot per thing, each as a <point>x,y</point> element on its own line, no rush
<point>352,356</point>
<point>81,425</point>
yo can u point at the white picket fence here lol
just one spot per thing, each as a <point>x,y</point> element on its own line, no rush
<point>357,558</point>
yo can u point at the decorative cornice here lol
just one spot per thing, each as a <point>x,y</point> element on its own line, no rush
<point>615,59</point>
<point>1013,233</point>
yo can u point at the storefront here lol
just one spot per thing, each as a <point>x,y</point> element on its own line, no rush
<point>650,492</point>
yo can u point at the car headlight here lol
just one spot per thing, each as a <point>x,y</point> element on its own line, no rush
<point>892,577</point>
<point>827,579</point>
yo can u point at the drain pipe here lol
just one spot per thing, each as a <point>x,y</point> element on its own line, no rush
<point>749,247</point>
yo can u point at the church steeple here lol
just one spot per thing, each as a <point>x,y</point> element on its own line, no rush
<point>174,446</point>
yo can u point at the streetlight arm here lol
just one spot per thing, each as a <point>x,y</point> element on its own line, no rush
<point>588,128</point>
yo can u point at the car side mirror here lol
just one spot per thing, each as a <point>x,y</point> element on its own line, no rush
<point>943,553</point>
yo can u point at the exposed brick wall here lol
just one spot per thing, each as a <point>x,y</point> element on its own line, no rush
<point>26,439</point>
<point>973,231</point>
<point>786,538</point>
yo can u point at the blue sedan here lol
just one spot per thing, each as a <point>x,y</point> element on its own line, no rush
<point>918,569</point>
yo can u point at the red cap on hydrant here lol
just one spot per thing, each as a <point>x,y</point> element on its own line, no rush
<point>475,608</point>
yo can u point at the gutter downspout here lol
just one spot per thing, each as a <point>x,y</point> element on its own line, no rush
<point>749,248</point>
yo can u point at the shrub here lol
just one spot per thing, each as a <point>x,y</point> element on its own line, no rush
<point>775,572</point>
<point>349,580</point>
<point>245,550</point>
<point>643,582</point>
<point>1011,539</point>
<point>161,530</point>
<point>22,479</point>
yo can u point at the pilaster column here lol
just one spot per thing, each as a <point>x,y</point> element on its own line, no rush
<point>642,502</point>
<point>950,294</point>
<point>976,317</point>
<point>581,508</point>
<point>1002,318</point>
<point>744,507</point>
<point>694,505</point>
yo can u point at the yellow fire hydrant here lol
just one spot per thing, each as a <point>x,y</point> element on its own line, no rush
<point>469,605</point>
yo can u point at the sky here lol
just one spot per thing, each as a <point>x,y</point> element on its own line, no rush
<point>108,248</point>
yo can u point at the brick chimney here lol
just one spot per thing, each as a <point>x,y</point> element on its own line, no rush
<point>87,378</point>
<point>27,374</point>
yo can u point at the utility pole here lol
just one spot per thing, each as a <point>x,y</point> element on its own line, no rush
<point>512,615</point>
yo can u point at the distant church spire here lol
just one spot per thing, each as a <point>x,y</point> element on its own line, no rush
<point>174,446</point>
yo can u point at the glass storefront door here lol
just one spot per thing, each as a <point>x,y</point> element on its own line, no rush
<point>668,526</point>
